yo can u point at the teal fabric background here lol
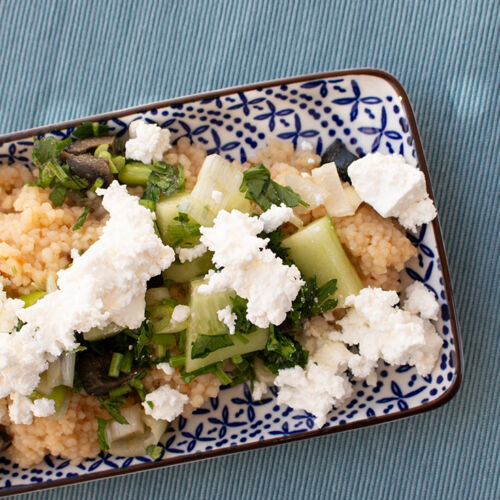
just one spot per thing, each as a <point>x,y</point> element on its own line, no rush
<point>67,59</point>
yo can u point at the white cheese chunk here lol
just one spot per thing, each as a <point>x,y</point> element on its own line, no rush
<point>393,187</point>
<point>275,217</point>
<point>316,389</point>
<point>420,300</point>
<point>382,331</point>
<point>43,407</point>
<point>264,379</point>
<point>189,254</point>
<point>314,338</point>
<point>227,317</point>
<point>180,313</point>
<point>147,142</point>
<point>250,269</point>
<point>259,389</point>
<point>107,284</point>
<point>424,359</point>
<point>233,238</point>
<point>22,409</point>
<point>166,367</point>
<point>167,403</point>
<point>418,213</point>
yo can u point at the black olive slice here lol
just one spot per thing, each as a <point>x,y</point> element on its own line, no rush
<point>90,168</point>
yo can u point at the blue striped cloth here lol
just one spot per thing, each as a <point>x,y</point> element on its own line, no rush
<point>67,59</point>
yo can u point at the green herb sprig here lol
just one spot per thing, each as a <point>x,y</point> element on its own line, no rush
<point>258,187</point>
<point>311,300</point>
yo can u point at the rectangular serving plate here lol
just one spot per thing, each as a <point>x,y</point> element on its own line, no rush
<point>369,110</point>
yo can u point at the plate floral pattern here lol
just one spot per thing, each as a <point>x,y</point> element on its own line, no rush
<point>368,114</point>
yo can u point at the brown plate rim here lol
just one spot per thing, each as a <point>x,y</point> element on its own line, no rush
<point>431,405</point>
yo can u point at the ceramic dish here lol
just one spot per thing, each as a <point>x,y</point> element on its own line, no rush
<point>370,111</point>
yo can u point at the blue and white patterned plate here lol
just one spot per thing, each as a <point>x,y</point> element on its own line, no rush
<point>369,111</point>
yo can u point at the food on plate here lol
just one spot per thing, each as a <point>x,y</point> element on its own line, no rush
<point>138,276</point>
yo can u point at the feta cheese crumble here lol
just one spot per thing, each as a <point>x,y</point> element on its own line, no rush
<point>233,238</point>
<point>166,367</point>
<point>180,313</point>
<point>22,409</point>
<point>420,300</point>
<point>259,389</point>
<point>166,403</point>
<point>250,269</point>
<point>107,284</point>
<point>316,389</point>
<point>227,317</point>
<point>393,187</point>
<point>275,217</point>
<point>382,331</point>
<point>147,142</point>
<point>189,254</point>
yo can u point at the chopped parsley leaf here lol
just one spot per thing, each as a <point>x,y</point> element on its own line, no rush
<point>311,300</point>
<point>183,232</point>
<point>164,179</point>
<point>113,406</point>
<point>205,344</point>
<point>48,149</point>
<point>275,239</point>
<point>80,221</point>
<point>258,187</point>
<point>239,307</point>
<point>101,433</point>
<point>282,351</point>
<point>90,129</point>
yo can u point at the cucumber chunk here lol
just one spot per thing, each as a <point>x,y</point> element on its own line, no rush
<point>216,174</point>
<point>317,251</point>
<point>188,271</point>
<point>166,210</point>
<point>128,440</point>
<point>60,372</point>
<point>204,321</point>
<point>160,317</point>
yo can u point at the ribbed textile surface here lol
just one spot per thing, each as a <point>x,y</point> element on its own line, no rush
<point>67,59</point>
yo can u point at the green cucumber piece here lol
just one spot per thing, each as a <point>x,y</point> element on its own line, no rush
<point>188,271</point>
<point>317,251</point>
<point>216,174</point>
<point>60,372</point>
<point>60,396</point>
<point>166,211</point>
<point>160,317</point>
<point>204,321</point>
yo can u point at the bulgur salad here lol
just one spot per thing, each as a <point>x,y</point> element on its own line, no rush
<point>137,277</point>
